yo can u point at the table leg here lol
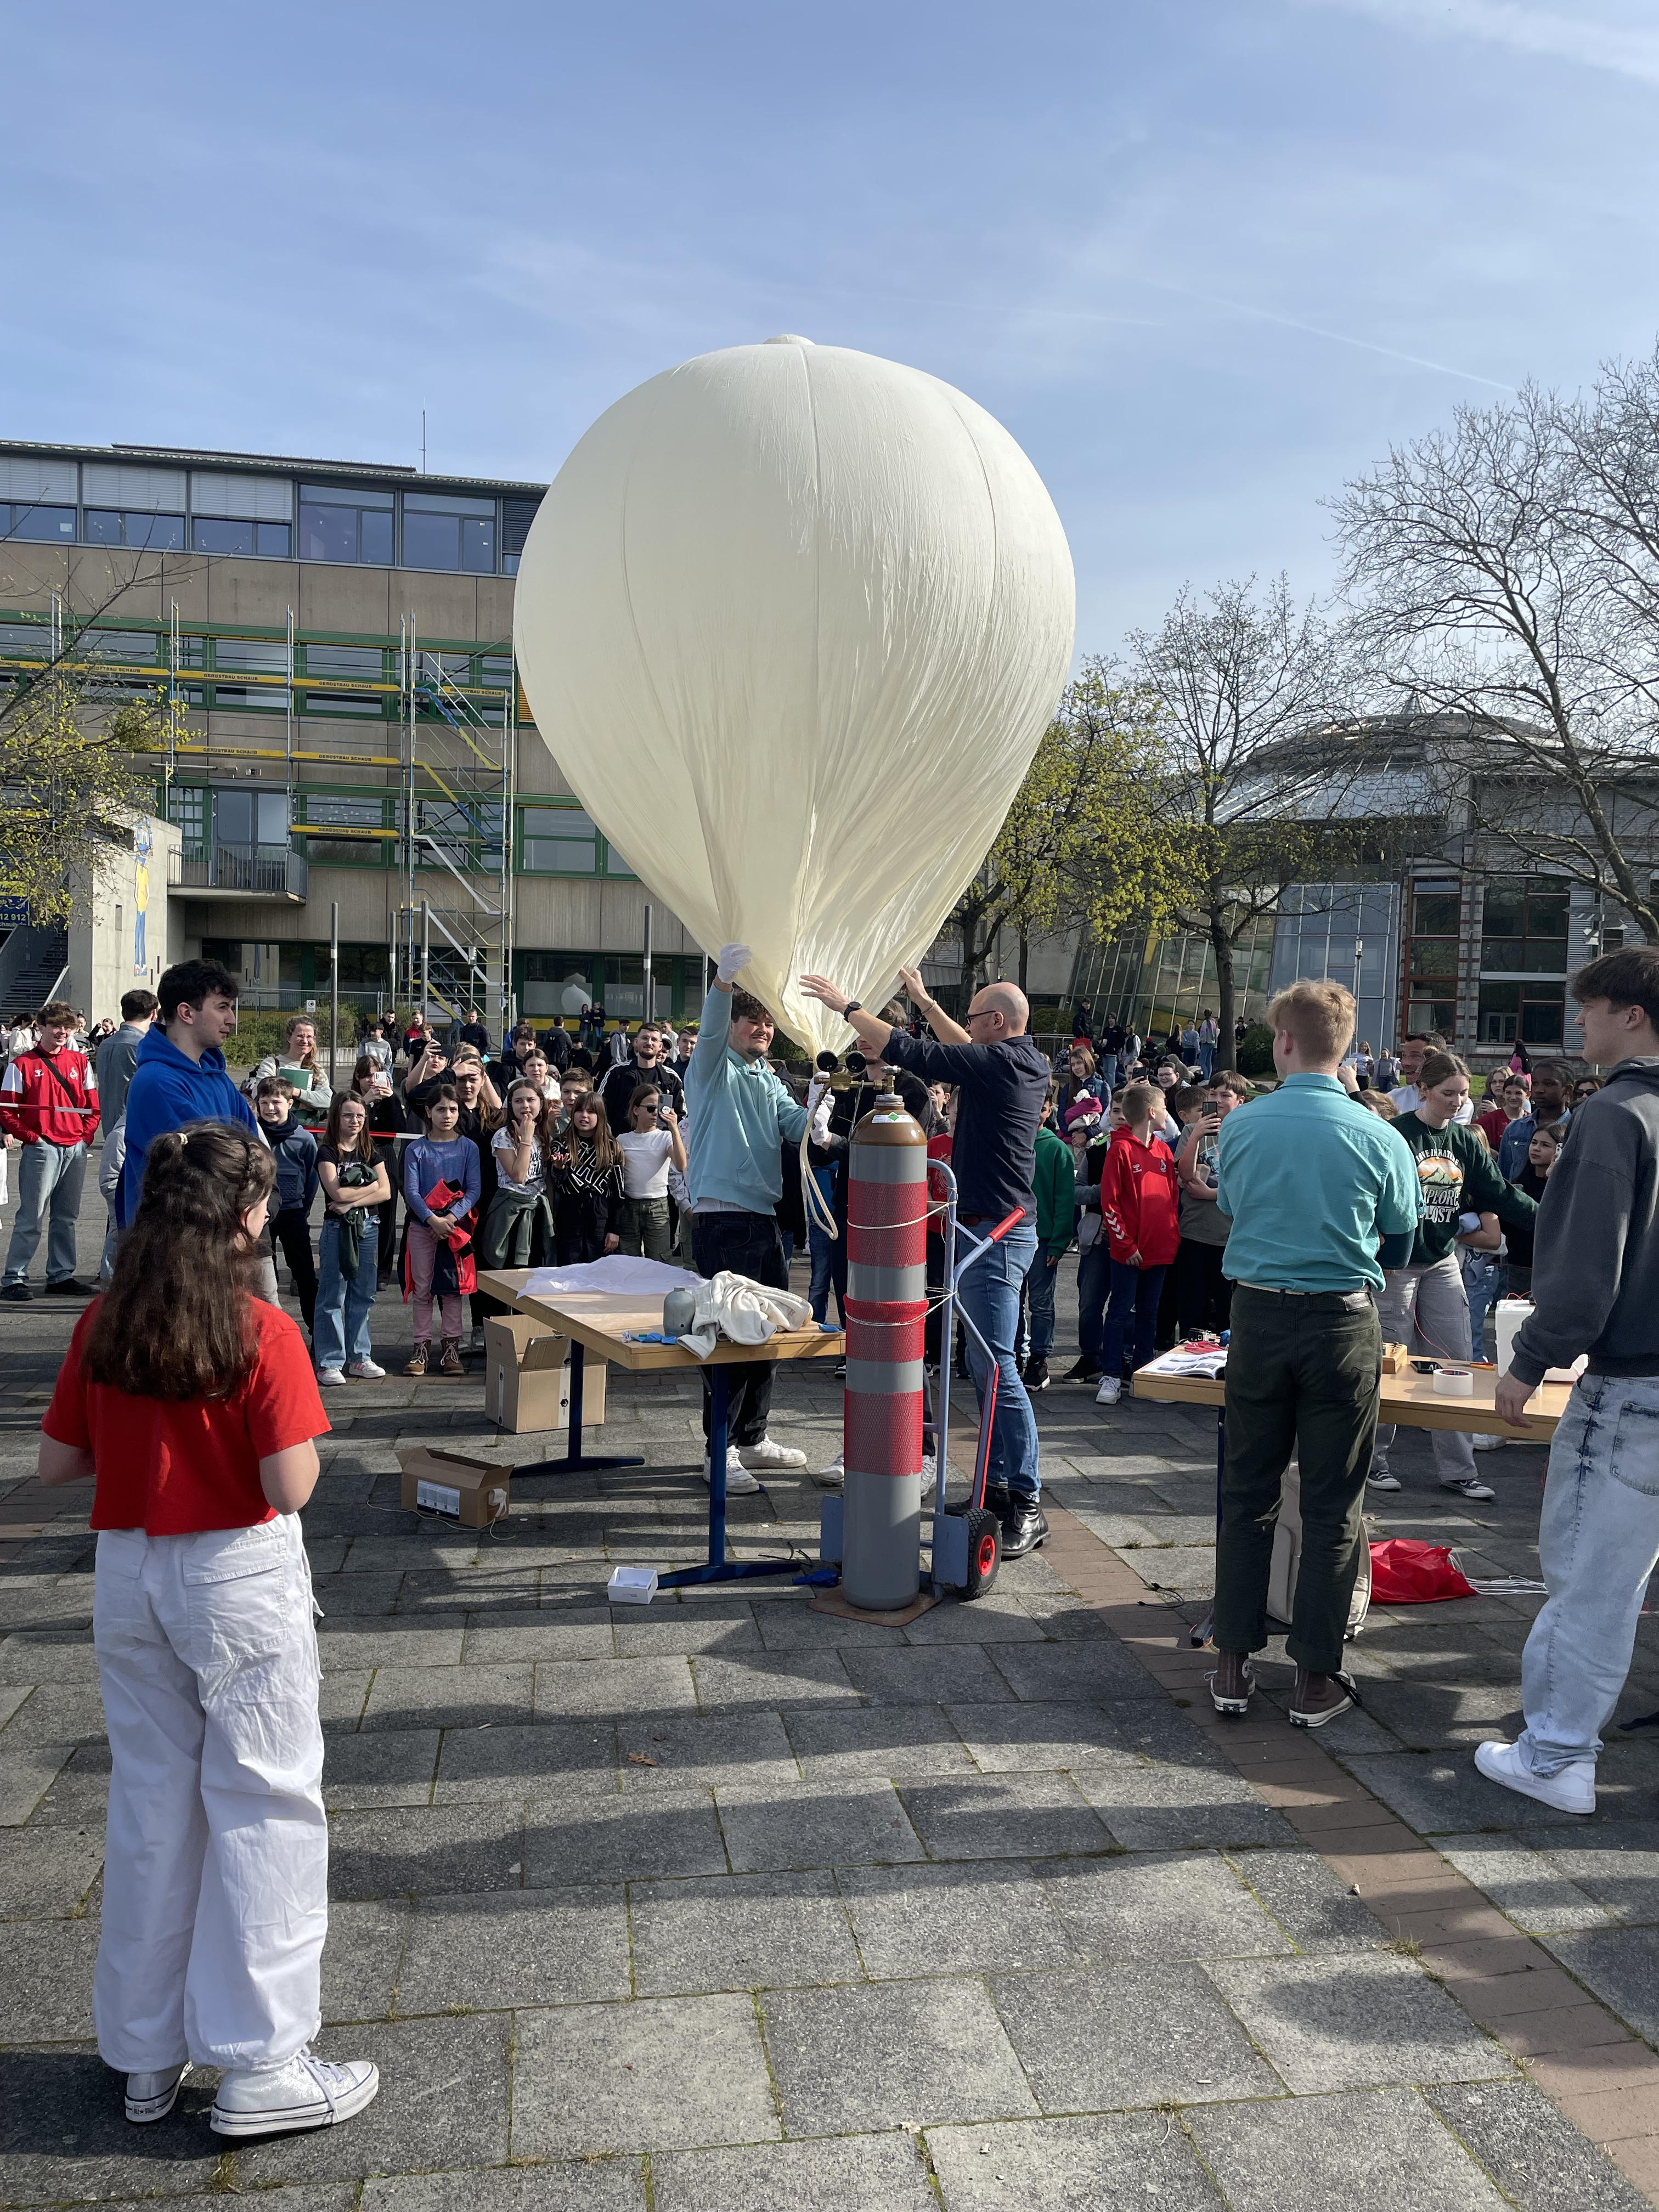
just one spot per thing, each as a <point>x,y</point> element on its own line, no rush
<point>718,1568</point>
<point>575,1459</point>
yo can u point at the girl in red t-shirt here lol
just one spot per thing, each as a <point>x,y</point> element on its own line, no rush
<point>192,1405</point>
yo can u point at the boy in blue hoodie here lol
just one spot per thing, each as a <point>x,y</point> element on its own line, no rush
<point>180,1074</point>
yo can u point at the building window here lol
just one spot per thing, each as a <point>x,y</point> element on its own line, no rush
<point>118,645</point>
<point>1524,928</point>
<point>558,840</point>
<point>1432,958</point>
<point>136,530</point>
<point>340,523</point>
<point>517,515</point>
<point>187,805</point>
<point>27,523</point>
<point>346,702</point>
<point>443,531</point>
<point>365,815</point>
<point>1531,1012</point>
<point>215,534</point>
<point>469,834</point>
<point>250,698</point>
<point>366,661</point>
<point>256,656</point>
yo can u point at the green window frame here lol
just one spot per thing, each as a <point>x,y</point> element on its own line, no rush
<point>346,809</point>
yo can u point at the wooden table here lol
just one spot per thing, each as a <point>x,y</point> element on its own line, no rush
<point>1410,1401</point>
<point>602,1322</point>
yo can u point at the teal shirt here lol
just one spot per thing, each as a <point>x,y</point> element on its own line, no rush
<point>1310,1182</point>
<point>739,1116</point>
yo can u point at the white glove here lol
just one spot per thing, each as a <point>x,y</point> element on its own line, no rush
<point>733,959</point>
<point>820,1128</point>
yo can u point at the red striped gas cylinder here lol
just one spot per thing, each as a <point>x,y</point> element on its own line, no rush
<point>886,1329</point>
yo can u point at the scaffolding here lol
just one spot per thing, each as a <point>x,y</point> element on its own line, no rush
<point>452,937</point>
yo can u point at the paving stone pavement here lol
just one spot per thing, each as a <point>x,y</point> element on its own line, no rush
<point>728,1904</point>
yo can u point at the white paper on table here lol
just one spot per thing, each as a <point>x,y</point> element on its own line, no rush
<point>1207,1364</point>
<point>620,1276</point>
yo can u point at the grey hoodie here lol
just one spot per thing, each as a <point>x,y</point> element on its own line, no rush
<point>1595,1257</point>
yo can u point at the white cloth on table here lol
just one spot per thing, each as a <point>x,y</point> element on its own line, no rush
<point>742,1311</point>
<point>619,1275</point>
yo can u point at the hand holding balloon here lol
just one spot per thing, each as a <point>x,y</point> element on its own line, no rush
<point>732,962</point>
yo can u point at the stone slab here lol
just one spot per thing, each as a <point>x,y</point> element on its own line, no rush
<point>988,1816</point>
<point>1157,1906</point>
<point>1378,2153</point>
<point>1534,2152</point>
<point>850,2174</point>
<point>894,2054</point>
<point>659,2074</point>
<point>1121,2164</point>
<point>990,1917</point>
<point>1339,2023</point>
<point>739,1932</point>
<point>588,1838</point>
<point>543,1947</point>
<point>855,1822</point>
<point>1128,2035</point>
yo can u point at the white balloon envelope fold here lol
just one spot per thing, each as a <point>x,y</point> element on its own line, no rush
<point>792,619</point>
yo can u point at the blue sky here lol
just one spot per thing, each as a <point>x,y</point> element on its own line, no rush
<point>1204,258</point>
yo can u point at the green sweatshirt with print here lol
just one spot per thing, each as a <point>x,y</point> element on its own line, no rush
<point>1056,1193</point>
<point>1457,1174</point>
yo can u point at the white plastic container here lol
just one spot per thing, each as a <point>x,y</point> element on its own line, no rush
<point>632,1585</point>
<point>1510,1315</point>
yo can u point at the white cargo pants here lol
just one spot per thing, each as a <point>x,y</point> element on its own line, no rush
<point>215,1874</point>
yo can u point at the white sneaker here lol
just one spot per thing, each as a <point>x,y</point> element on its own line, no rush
<point>307,2092</point>
<point>766,1454</point>
<point>834,1477</point>
<point>1571,1790</point>
<point>739,1480</point>
<point>151,2096</point>
<point>1111,1390</point>
<point>1489,1443</point>
<point>929,1475</point>
<point>1382,1479</point>
<point>328,1376</point>
<point>365,1371</point>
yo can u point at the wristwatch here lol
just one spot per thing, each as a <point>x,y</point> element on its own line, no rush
<point>853,1006</point>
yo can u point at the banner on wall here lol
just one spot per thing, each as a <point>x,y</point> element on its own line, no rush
<point>143,844</point>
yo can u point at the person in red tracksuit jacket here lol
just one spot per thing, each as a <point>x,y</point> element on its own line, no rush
<point>49,1102</point>
<point>1140,1207</point>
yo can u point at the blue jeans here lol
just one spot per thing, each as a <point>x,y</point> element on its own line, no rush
<point>1135,1292</point>
<point>990,1298</point>
<point>1598,1542</point>
<point>1106,1069</point>
<point>1207,1060</point>
<point>828,1255</point>
<point>1094,1282</point>
<point>332,1341</point>
<point>1040,1279</point>
<point>1484,1278</point>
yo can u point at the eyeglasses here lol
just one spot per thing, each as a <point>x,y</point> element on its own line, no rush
<point>979,1013</point>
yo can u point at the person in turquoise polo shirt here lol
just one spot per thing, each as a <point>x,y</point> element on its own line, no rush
<point>1322,1197</point>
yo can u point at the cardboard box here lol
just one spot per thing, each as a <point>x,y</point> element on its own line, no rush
<point>469,1492</point>
<point>527,1378</point>
<point>1396,1359</point>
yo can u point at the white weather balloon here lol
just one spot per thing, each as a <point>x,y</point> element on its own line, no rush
<point>791,619</point>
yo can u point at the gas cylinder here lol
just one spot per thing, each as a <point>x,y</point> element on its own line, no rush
<point>886,1328</point>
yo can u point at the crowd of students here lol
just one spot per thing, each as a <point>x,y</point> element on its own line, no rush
<point>1309,1221</point>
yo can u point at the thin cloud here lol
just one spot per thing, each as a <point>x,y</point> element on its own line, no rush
<point>1318,331</point>
<point>1622,49</point>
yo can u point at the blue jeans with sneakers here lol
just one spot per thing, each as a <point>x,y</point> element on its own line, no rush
<point>344,1303</point>
<point>1598,1541</point>
<point>990,1298</point>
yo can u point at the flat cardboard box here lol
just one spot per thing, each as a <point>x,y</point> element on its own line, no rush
<point>469,1492</point>
<point>527,1378</point>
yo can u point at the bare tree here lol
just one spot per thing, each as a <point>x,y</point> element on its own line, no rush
<point>1506,577</point>
<point>1257,777</point>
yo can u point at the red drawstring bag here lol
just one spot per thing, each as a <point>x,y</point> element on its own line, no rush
<point>1407,1571</point>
